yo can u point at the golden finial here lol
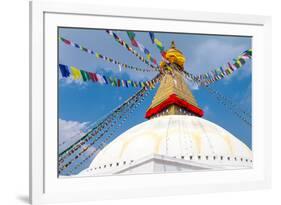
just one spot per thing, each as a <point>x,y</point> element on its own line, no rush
<point>173,55</point>
<point>173,45</point>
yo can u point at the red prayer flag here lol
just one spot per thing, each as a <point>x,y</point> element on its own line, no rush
<point>134,43</point>
<point>163,53</point>
<point>66,41</point>
<point>93,77</point>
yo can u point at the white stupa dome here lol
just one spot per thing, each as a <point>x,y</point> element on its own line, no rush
<point>189,142</point>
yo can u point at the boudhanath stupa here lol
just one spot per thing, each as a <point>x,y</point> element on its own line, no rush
<point>175,138</point>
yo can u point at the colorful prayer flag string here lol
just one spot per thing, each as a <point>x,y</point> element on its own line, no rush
<point>158,44</point>
<point>137,44</point>
<point>78,74</point>
<point>221,72</point>
<point>125,45</point>
<point>103,57</point>
<point>124,115</point>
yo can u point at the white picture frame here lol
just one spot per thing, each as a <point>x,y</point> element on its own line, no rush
<point>46,187</point>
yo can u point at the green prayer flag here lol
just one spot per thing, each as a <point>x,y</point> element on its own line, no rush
<point>85,75</point>
<point>131,35</point>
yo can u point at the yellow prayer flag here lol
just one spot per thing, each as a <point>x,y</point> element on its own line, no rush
<point>148,56</point>
<point>239,63</point>
<point>75,73</point>
<point>157,42</point>
<point>97,55</point>
<point>229,70</point>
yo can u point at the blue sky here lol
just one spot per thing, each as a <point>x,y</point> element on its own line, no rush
<point>81,103</point>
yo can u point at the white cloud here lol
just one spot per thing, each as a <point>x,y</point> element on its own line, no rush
<point>214,53</point>
<point>70,131</point>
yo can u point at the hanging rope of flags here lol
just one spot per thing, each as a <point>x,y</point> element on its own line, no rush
<point>130,49</point>
<point>232,104</point>
<point>111,134</point>
<point>86,147</point>
<point>108,119</point>
<point>158,44</point>
<point>221,72</point>
<point>86,76</point>
<point>103,57</point>
<point>104,122</point>
<point>233,109</point>
<point>77,134</point>
<point>143,49</point>
<point>87,137</point>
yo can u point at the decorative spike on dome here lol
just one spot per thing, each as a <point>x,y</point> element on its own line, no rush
<point>175,56</point>
<point>173,45</point>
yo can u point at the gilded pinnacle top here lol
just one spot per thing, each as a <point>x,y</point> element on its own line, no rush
<point>173,55</point>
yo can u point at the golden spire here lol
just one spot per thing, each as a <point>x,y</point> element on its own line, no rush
<point>173,96</point>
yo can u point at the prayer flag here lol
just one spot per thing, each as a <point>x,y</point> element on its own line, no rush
<point>242,61</point>
<point>159,44</point>
<point>146,51</point>
<point>66,41</point>
<point>131,35</point>
<point>111,81</point>
<point>105,79</point>
<point>115,82</point>
<point>64,70</point>
<point>148,56</point>
<point>100,79</point>
<point>93,76</point>
<point>151,34</point>
<point>134,43</point>
<point>85,75</point>
<point>163,53</point>
<point>230,66</point>
<point>75,73</point>
<point>76,45</point>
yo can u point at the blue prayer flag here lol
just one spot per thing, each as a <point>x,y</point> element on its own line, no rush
<point>151,34</point>
<point>64,70</point>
